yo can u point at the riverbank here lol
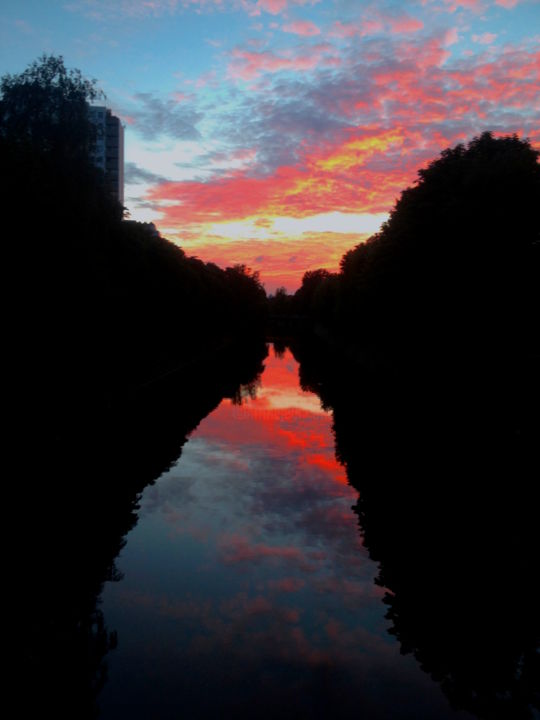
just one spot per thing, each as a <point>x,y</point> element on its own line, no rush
<point>80,469</point>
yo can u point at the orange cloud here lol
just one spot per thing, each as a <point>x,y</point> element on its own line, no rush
<point>283,262</point>
<point>331,180</point>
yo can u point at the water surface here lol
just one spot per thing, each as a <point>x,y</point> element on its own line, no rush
<point>246,589</point>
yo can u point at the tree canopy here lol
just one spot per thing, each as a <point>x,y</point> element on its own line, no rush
<point>459,254</point>
<point>47,105</point>
<point>94,298</point>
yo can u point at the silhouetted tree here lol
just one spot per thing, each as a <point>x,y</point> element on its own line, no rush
<point>445,459</point>
<point>459,255</point>
<point>430,427</point>
<point>304,296</point>
<point>77,515</point>
<point>47,106</point>
<point>97,303</point>
<point>280,302</point>
<point>247,295</point>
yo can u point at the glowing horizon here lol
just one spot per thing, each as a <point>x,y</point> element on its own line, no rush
<point>279,133</point>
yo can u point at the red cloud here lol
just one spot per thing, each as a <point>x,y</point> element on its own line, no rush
<point>288,585</point>
<point>329,465</point>
<point>485,38</point>
<point>236,549</point>
<point>292,425</point>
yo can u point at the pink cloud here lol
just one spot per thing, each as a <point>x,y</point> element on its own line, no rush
<point>475,6</point>
<point>405,24</point>
<point>433,103</point>
<point>304,28</point>
<point>272,7</point>
<point>485,39</point>
<point>247,65</point>
<point>418,89</point>
<point>508,4</point>
<point>451,36</point>
<point>342,30</point>
<point>372,26</point>
<point>378,23</point>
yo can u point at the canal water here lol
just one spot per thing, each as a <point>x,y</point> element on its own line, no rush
<point>246,591</point>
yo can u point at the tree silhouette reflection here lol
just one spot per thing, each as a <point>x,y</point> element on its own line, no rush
<point>445,460</point>
<point>81,478</point>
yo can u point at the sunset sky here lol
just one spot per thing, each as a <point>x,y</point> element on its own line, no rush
<point>279,133</point>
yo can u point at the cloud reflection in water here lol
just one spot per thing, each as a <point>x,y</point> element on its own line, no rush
<point>246,580</point>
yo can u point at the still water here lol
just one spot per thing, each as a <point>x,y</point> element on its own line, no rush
<point>246,591</point>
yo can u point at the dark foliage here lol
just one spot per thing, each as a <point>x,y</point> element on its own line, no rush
<point>445,460</point>
<point>457,262</point>
<point>46,106</point>
<point>459,255</point>
<point>97,303</point>
<point>432,377</point>
<point>316,297</point>
<point>280,303</point>
<point>77,481</point>
<point>282,318</point>
<point>117,344</point>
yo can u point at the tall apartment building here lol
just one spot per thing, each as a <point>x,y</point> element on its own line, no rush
<point>109,149</point>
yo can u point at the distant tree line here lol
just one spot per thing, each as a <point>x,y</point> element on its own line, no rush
<point>92,296</point>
